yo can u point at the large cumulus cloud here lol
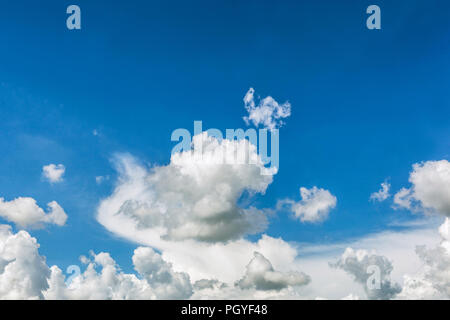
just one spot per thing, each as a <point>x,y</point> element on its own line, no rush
<point>193,197</point>
<point>315,205</point>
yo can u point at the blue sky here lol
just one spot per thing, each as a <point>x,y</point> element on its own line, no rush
<point>366,104</point>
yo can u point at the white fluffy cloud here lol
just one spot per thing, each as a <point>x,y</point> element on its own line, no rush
<point>54,172</point>
<point>195,200</point>
<point>313,259</point>
<point>214,264</point>
<point>157,280</point>
<point>25,213</point>
<point>192,197</point>
<point>268,113</point>
<point>315,205</point>
<point>358,263</point>
<point>261,276</point>
<point>260,281</point>
<point>26,274</point>
<point>381,194</point>
<point>23,272</point>
<point>433,282</point>
<point>166,283</point>
<point>430,190</point>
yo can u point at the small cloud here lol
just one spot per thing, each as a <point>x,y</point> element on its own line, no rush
<point>54,173</point>
<point>381,194</point>
<point>315,205</point>
<point>267,113</point>
<point>95,132</point>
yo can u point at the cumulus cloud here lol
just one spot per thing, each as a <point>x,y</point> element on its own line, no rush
<point>23,272</point>
<point>351,296</point>
<point>104,279</point>
<point>54,173</point>
<point>25,213</point>
<point>430,190</point>
<point>418,288</point>
<point>268,112</point>
<point>156,280</point>
<point>261,276</point>
<point>315,205</point>
<point>260,281</point>
<point>166,283</point>
<point>362,265</point>
<point>433,282</point>
<point>198,201</point>
<point>381,194</point>
<point>192,197</point>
